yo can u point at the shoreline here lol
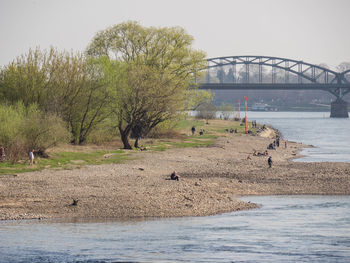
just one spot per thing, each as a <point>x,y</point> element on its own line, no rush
<point>211,181</point>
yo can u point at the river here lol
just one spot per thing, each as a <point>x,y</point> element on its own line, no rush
<point>285,229</point>
<point>330,136</point>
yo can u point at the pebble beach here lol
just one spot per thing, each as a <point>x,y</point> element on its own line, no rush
<point>211,181</point>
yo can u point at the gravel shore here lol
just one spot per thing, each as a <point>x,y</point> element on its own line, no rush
<point>211,181</point>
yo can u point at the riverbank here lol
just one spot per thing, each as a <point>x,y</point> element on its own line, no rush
<point>212,179</point>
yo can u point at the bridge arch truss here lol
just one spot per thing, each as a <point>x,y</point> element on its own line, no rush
<point>239,72</point>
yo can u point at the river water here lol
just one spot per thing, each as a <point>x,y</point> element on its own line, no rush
<point>285,229</point>
<point>330,136</point>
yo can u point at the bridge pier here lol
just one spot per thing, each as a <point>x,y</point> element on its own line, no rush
<point>339,109</point>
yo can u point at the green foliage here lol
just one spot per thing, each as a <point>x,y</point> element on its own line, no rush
<point>187,124</point>
<point>25,128</point>
<point>42,131</point>
<point>66,160</point>
<point>104,132</point>
<point>159,66</point>
<point>195,98</point>
<point>60,83</point>
<point>26,78</point>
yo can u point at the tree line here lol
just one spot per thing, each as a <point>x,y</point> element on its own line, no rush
<point>130,80</point>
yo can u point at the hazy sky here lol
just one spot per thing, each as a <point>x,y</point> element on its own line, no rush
<point>315,31</point>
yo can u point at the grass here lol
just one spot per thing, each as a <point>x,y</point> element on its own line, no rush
<point>66,160</point>
<point>75,157</point>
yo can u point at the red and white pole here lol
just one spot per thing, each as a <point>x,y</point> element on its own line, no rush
<point>239,109</point>
<point>245,121</point>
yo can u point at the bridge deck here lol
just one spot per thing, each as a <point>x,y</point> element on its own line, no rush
<point>272,86</point>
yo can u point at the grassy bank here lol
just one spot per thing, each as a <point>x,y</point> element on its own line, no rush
<point>73,157</point>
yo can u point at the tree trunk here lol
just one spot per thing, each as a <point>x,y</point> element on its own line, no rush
<point>124,134</point>
<point>136,144</point>
<point>82,139</point>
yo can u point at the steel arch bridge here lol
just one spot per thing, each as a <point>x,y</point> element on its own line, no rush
<point>249,72</point>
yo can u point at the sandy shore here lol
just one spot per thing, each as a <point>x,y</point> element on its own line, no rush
<point>212,179</point>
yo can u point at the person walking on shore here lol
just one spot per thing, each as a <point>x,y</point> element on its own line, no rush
<point>193,130</point>
<point>31,157</point>
<point>269,161</point>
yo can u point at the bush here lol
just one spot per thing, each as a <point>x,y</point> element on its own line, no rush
<point>206,111</point>
<point>165,129</point>
<point>25,128</point>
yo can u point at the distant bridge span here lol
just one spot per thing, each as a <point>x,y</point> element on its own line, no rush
<point>274,73</point>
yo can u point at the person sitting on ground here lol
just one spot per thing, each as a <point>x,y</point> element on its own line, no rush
<point>174,176</point>
<point>255,153</point>
<point>201,132</point>
<point>249,158</point>
<point>266,153</point>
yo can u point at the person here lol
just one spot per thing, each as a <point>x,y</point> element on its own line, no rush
<point>269,161</point>
<point>285,144</point>
<point>2,153</point>
<point>271,147</point>
<point>193,130</point>
<point>249,158</point>
<point>31,157</point>
<point>174,176</point>
<point>266,153</point>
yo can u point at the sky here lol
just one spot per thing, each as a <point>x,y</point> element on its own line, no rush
<point>315,31</point>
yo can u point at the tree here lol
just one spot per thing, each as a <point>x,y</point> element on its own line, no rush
<point>81,94</point>
<point>26,78</point>
<point>61,83</point>
<point>206,111</point>
<point>156,68</point>
<point>226,110</point>
<point>24,128</point>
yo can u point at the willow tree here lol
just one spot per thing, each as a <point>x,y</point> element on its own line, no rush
<point>61,83</point>
<point>159,67</point>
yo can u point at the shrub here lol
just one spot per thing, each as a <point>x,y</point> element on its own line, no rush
<point>206,111</point>
<point>25,128</point>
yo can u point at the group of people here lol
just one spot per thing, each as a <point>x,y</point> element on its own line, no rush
<point>274,144</point>
<point>193,130</point>
<point>260,154</point>
<point>231,130</point>
<point>271,146</point>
